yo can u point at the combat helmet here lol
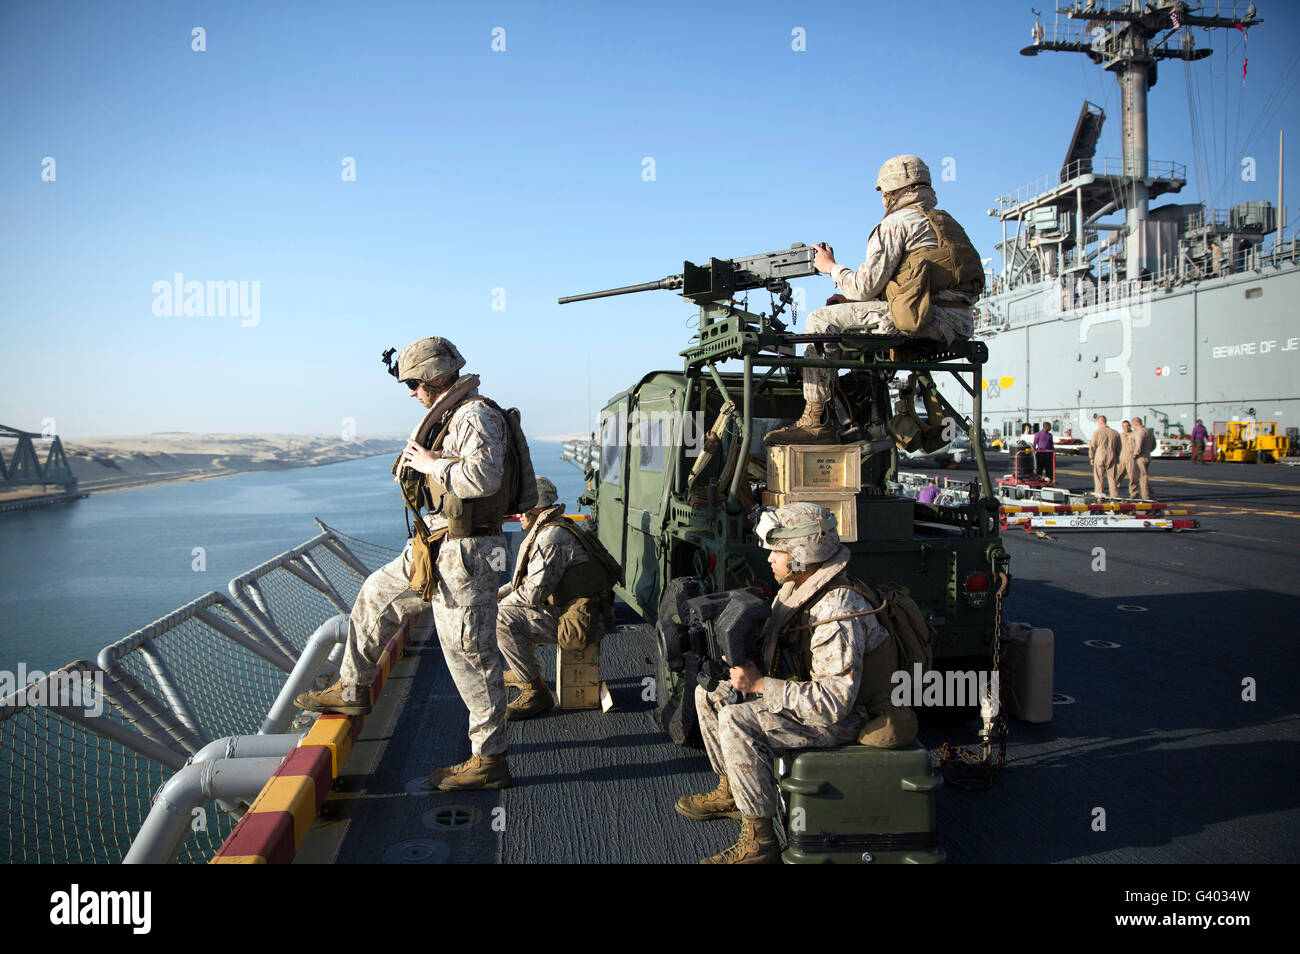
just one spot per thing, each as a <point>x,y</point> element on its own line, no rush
<point>803,530</point>
<point>546,492</point>
<point>900,172</point>
<point>427,359</point>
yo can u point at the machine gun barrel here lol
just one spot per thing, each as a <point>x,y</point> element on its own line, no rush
<point>671,282</point>
<point>723,277</point>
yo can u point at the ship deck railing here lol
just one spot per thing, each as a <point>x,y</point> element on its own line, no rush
<point>1066,179</point>
<point>84,749</point>
<point>1076,299</point>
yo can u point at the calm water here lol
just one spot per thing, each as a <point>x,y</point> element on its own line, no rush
<point>75,577</point>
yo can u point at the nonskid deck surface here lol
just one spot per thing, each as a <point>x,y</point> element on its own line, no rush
<point>589,786</point>
<point>1157,735</point>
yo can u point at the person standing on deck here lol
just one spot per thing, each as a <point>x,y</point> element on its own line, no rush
<point>461,457</point>
<point>1103,452</point>
<point>1144,442</point>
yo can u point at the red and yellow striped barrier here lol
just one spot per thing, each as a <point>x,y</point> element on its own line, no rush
<point>273,828</point>
<point>1084,508</point>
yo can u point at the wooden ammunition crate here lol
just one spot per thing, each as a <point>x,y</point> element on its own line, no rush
<point>843,505</point>
<point>577,677</point>
<point>814,468</point>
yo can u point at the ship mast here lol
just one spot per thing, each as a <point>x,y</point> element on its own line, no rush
<point>1119,36</point>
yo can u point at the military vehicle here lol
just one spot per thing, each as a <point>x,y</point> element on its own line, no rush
<point>682,467</point>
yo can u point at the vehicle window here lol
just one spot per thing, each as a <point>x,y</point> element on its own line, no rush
<point>654,436</point>
<point>611,449</point>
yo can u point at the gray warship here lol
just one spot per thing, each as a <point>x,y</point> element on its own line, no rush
<point>1106,304</point>
<point>1149,721</point>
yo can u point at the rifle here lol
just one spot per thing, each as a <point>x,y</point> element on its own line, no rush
<point>723,277</point>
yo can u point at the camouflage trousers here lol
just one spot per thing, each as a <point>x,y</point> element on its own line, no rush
<point>465,613</point>
<point>832,319</point>
<point>520,627</point>
<point>742,741</point>
<point>385,600</point>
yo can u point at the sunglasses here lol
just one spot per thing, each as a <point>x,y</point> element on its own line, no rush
<point>412,384</point>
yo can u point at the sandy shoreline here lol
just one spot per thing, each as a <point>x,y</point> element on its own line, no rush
<point>104,465</point>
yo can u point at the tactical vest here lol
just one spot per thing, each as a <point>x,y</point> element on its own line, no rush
<point>480,516</point>
<point>588,579</point>
<point>954,265</point>
<point>795,643</point>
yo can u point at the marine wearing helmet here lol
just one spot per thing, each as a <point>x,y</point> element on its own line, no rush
<point>920,277</point>
<point>458,464</point>
<point>811,685</point>
<point>560,592</point>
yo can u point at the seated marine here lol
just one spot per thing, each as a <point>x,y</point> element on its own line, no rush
<point>920,277</point>
<point>560,593</point>
<point>826,656</point>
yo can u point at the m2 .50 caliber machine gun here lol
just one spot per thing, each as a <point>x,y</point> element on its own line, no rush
<point>722,278</point>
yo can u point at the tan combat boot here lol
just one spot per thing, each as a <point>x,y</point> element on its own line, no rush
<point>755,846</point>
<point>512,679</point>
<point>534,699</point>
<point>480,771</point>
<point>715,804</point>
<point>340,698</point>
<point>809,429</point>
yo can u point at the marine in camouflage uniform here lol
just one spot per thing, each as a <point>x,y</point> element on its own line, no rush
<point>904,184</point>
<point>789,714</point>
<point>524,617</point>
<point>470,465</point>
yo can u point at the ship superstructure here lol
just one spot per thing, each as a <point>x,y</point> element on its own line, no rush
<point>1105,305</point>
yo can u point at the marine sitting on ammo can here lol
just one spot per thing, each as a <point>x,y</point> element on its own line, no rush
<point>825,659</point>
<point>560,592</point>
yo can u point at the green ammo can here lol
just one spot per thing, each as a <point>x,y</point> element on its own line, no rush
<point>858,804</point>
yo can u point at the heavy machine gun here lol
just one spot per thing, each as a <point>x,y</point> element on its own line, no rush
<point>722,278</point>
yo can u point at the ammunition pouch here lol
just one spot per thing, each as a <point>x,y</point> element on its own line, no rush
<point>424,560</point>
<point>891,727</point>
<point>954,265</point>
<point>585,621</point>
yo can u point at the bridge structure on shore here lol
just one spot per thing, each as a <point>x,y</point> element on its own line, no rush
<point>21,465</point>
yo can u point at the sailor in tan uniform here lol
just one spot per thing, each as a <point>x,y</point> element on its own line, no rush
<point>886,292</point>
<point>1104,449</point>
<point>1124,469</point>
<point>1144,442</point>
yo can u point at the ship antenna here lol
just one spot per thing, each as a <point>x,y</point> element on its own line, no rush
<point>1118,36</point>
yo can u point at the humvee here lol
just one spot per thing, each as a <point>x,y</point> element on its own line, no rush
<point>682,465</point>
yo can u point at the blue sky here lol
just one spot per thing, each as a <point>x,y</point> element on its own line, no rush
<point>519,170</point>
